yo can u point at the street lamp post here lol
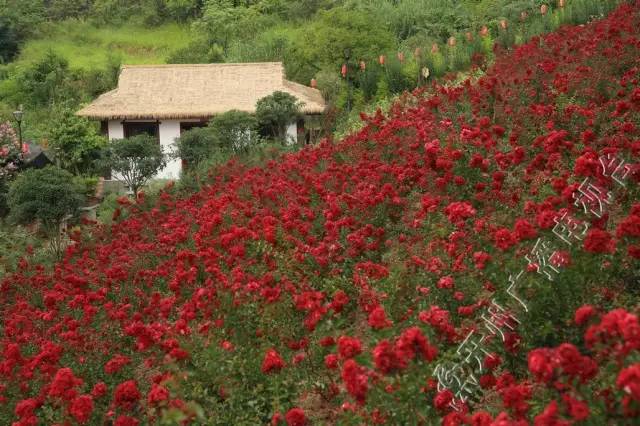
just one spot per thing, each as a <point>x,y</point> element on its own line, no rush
<point>18,114</point>
<point>347,56</point>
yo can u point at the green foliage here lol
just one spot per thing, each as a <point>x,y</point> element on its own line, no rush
<point>87,46</point>
<point>235,130</point>
<point>437,19</point>
<point>27,16</point>
<point>323,42</point>
<point>76,143</point>
<point>46,82</point>
<point>8,40</point>
<point>196,146</point>
<point>183,10</point>
<point>198,52</point>
<point>134,160</point>
<point>62,9</point>
<point>330,84</point>
<point>10,162</point>
<point>221,22</point>
<point>276,111</point>
<point>87,185</point>
<point>47,195</point>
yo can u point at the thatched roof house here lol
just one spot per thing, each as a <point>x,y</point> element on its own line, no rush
<point>196,91</point>
<point>165,100</point>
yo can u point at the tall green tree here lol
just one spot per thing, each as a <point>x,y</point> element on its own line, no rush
<point>46,82</point>
<point>48,195</point>
<point>9,40</point>
<point>323,42</point>
<point>276,111</point>
<point>235,130</point>
<point>76,143</point>
<point>134,160</point>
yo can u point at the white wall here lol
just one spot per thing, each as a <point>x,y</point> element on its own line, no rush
<point>292,133</point>
<point>169,131</point>
<point>116,131</point>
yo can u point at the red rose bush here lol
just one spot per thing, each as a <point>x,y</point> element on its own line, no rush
<point>333,285</point>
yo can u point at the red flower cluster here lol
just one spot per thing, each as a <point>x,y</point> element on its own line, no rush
<point>360,261</point>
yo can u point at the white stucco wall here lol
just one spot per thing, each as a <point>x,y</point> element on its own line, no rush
<point>169,131</point>
<point>116,131</point>
<point>292,133</point>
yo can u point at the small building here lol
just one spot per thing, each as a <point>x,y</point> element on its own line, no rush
<point>166,100</point>
<point>34,156</point>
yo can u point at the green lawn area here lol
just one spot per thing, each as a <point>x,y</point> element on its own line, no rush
<point>88,47</point>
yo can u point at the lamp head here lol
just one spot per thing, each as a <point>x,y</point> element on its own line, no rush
<point>18,114</point>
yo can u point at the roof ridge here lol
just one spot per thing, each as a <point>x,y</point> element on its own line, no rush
<point>216,64</point>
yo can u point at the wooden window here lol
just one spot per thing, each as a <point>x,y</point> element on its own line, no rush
<point>151,128</point>
<point>188,125</point>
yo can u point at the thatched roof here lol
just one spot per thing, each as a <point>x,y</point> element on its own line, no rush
<point>196,91</point>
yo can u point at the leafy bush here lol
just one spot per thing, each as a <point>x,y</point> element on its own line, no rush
<point>8,40</point>
<point>134,160</point>
<point>198,52</point>
<point>76,143</point>
<point>45,82</point>
<point>235,130</point>
<point>323,42</point>
<point>276,111</point>
<point>10,162</point>
<point>196,145</point>
<point>49,196</point>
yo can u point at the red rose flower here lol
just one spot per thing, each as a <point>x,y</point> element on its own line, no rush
<point>295,417</point>
<point>576,408</point>
<point>378,318</point>
<point>127,394</point>
<point>442,399</point>
<point>583,313</point>
<point>331,361</point>
<point>629,381</point>
<point>355,380</point>
<point>126,421</point>
<point>348,347</point>
<point>599,241</point>
<point>81,408</point>
<point>272,361</point>
<point>64,384</point>
<point>445,282</point>
<point>157,395</point>
<point>100,389</point>
<point>504,239</point>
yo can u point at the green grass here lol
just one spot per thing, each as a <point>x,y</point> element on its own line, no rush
<point>87,46</point>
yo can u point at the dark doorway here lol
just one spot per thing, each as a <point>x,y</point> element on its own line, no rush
<point>186,126</point>
<point>150,128</point>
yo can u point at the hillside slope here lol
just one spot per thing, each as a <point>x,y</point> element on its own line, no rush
<point>90,47</point>
<point>335,285</point>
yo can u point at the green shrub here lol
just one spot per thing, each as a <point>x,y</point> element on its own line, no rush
<point>134,160</point>
<point>276,111</point>
<point>196,145</point>
<point>197,52</point>
<point>8,40</point>
<point>76,143</point>
<point>235,130</point>
<point>49,196</point>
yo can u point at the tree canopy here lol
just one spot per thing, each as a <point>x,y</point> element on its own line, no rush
<point>134,160</point>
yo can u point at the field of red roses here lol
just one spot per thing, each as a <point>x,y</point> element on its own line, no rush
<point>326,286</point>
